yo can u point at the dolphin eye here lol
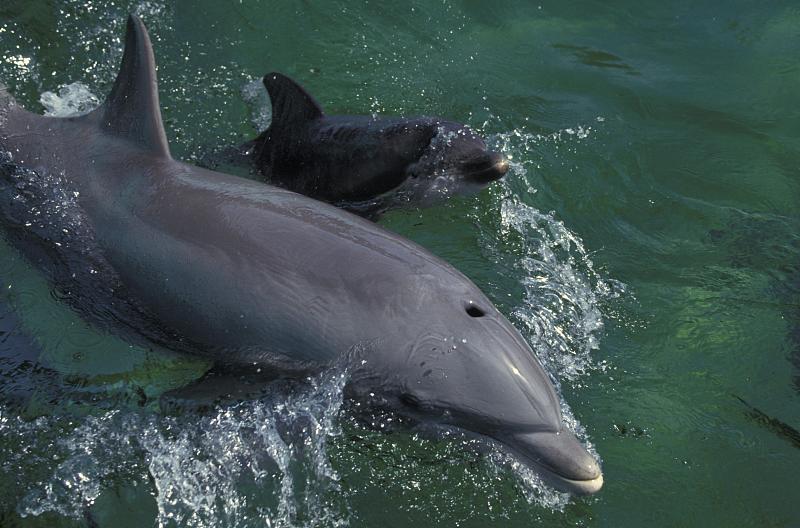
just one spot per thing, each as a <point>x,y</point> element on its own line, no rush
<point>474,311</point>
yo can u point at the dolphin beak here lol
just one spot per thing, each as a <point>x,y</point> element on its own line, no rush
<point>560,458</point>
<point>485,168</point>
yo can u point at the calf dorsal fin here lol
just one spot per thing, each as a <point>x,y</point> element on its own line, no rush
<point>131,110</point>
<point>292,105</point>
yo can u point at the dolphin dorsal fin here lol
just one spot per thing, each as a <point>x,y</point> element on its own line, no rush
<point>291,103</point>
<point>131,110</point>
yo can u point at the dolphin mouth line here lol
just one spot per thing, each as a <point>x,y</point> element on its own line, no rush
<point>500,167</point>
<point>486,173</point>
<point>551,476</point>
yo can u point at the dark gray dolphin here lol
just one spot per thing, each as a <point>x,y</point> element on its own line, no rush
<point>255,276</point>
<point>367,163</point>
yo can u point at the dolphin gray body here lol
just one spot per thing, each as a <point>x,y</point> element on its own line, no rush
<point>367,164</point>
<point>255,276</point>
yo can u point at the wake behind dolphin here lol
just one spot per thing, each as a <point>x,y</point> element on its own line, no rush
<point>254,276</point>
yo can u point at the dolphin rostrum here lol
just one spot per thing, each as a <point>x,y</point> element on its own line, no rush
<point>366,164</point>
<point>256,276</point>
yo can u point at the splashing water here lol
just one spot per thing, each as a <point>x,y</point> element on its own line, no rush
<point>71,100</point>
<point>561,311</point>
<point>257,99</point>
<point>42,203</point>
<point>248,463</point>
<point>563,292</point>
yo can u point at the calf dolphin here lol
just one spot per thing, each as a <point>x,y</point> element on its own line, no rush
<point>366,164</point>
<point>254,276</point>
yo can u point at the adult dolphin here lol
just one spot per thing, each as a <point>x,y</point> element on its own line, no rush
<point>253,275</point>
<point>366,164</point>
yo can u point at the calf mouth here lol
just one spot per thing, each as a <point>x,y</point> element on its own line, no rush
<point>484,168</point>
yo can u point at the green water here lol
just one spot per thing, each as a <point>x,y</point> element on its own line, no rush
<point>646,243</point>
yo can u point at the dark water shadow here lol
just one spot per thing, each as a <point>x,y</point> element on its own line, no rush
<point>596,58</point>
<point>768,244</point>
<point>778,427</point>
<point>21,374</point>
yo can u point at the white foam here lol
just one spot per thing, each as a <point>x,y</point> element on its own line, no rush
<point>561,313</point>
<point>257,99</point>
<point>71,100</point>
<point>260,462</point>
